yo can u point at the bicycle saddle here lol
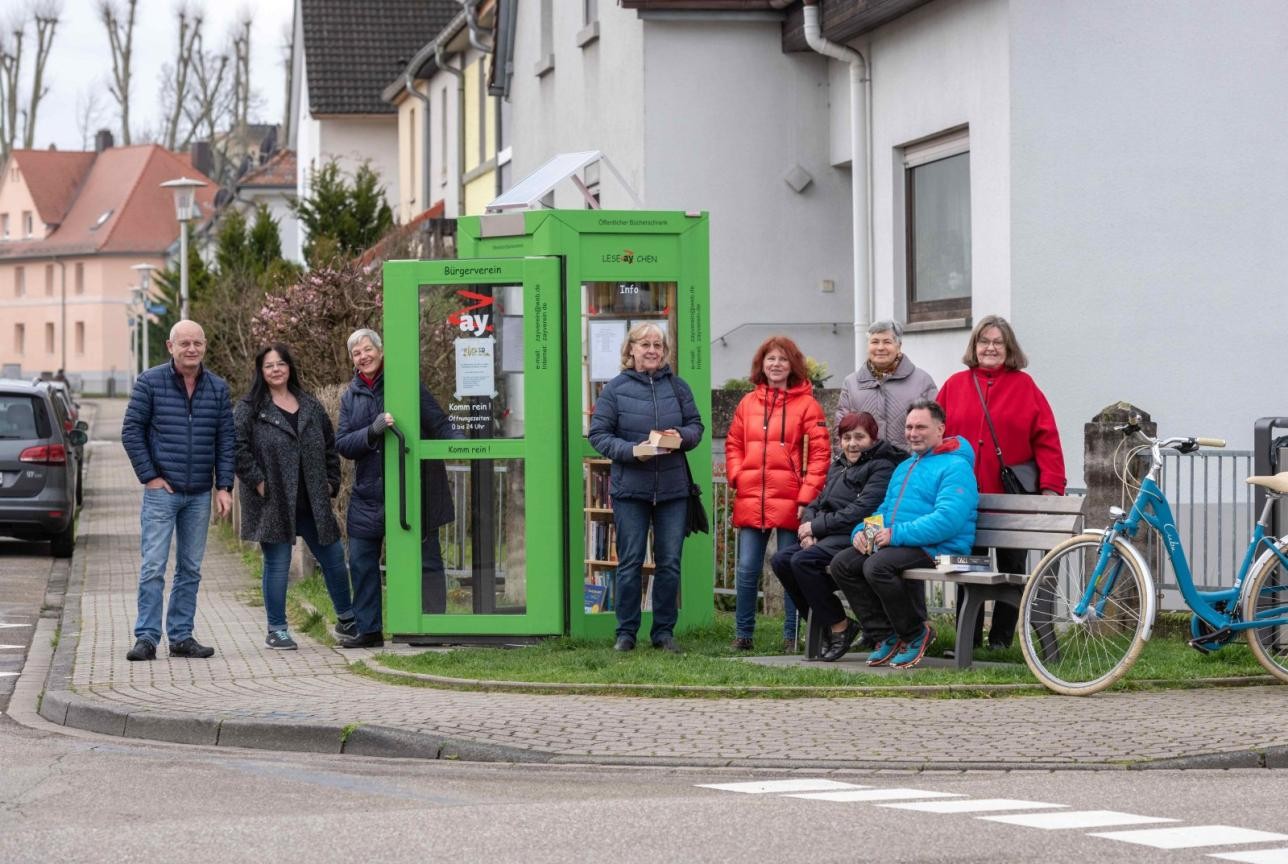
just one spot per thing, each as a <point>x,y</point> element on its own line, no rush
<point>1275,483</point>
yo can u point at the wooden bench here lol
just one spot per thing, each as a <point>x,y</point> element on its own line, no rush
<point>1039,522</point>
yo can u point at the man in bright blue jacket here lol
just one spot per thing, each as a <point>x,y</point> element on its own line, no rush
<point>929,510</point>
<point>178,433</point>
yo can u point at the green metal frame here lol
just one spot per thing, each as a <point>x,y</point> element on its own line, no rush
<point>618,246</point>
<point>541,448</point>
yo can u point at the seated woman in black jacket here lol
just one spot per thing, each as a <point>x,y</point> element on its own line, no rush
<point>856,484</point>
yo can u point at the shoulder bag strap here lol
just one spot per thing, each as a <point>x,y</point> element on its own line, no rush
<point>991,431</point>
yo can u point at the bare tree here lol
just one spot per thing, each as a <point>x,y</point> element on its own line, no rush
<point>89,112</point>
<point>11,36</point>
<point>175,89</point>
<point>208,100</point>
<point>46,14</point>
<point>120,35</point>
<point>241,70</point>
<point>288,65</point>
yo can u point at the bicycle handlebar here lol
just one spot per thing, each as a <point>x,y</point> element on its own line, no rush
<point>1210,442</point>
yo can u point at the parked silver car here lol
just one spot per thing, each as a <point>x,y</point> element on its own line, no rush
<point>39,467</point>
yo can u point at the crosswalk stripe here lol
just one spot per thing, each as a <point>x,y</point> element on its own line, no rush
<point>1191,836</point>
<point>761,787</point>
<point>976,805</point>
<point>8,674</point>
<point>875,795</point>
<point>10,647</point>
<point>1256,856</point>
<point>3,624</point>
<point>1076,819</point>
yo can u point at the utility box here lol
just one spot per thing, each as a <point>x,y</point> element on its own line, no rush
<point>515,339</point>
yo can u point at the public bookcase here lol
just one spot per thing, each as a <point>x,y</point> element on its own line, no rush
<point>515,339</point>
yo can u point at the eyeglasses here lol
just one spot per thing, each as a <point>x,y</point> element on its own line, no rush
<point>991,343</point>
<point>268,366</point>
<point>658,346</point>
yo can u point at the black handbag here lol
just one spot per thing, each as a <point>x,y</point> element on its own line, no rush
<point>1019,479</point>
<point>695,519</point>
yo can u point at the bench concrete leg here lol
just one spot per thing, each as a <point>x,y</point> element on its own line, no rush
<point>814,637</point>
<point>968,606</point>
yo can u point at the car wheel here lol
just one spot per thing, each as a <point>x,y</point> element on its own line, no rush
<point>62,543</point>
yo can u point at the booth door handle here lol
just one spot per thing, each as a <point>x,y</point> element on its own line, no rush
<point>402,477</point>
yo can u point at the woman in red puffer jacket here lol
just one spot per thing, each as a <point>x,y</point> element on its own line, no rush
<point>776,458</point>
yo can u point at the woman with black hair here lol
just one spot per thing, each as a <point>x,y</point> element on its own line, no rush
<point>289,471</point>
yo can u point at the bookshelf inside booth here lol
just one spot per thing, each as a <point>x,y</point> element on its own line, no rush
<point>608,312</point>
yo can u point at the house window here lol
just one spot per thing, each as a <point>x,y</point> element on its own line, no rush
<point>937,228</point>
<point>4,226</point>
<point>589,31</point>
<point>20,338</point>
<point>482,110</point>
<point>442,137</point>
<point>28,225</point>
<point>80,277</point>
<point>19,281</point>
<point>49,280</point>
<point>546,58</point>
<point>49,338</point>
<point>80,337</point>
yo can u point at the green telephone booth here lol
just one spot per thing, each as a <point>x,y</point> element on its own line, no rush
<point>515,339</point>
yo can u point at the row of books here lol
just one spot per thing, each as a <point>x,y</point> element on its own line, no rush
<point>963,563</point>
<point>601,592</point>
<point>601,542</point>
<point>597,486</point>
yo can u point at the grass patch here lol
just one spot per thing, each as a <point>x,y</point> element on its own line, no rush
<point>709,661</point>
<point>308,607</point>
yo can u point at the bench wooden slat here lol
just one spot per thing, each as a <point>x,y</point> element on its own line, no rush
<point>1031,503</point>
<point>925,574</point>
<point>1021,539</point>
<point>1067,522</point>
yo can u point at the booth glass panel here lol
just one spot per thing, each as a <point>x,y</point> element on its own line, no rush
<point>471,356</point>
<point>483,549</point>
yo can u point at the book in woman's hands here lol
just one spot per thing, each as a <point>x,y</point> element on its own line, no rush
<point>872,526</point>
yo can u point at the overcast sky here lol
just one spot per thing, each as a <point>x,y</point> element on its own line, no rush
<point>81,62</point>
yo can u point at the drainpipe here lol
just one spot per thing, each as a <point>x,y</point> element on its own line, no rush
<point>471,19</point>
<point>410,84</point>
<point>460,125</point>
<point>860,168</point>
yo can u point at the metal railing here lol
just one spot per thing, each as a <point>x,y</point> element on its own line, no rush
<point>1214,512</point>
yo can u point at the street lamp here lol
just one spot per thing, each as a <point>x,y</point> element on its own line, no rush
<point>185,209</point>
<point>143,293</point>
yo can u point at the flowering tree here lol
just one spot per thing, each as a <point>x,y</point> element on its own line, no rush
<point>314,316</point>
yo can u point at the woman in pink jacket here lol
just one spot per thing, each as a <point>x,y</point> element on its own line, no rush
<point>776,458</point>
<point>994,380</point>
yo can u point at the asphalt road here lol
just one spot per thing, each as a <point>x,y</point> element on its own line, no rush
<point>26,571</point>
<point>85,798</point>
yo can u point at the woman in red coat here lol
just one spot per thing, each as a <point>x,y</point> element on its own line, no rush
<point>1026,432</point>
<point>776,458</point>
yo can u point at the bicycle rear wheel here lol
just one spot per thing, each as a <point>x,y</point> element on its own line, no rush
<point>1267,597</point>
<point>1078,656</point>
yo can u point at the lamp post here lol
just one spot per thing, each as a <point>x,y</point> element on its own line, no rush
<point>144,294</point>
<point>133,351</point>
<point>185,209</point>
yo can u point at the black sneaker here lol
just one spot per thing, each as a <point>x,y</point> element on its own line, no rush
<point>142,650</point>
<point>280,640</point>
<point>667,643</point>
<point>364,640</point>
<point>191,648</point>
<point>345,629</point>
<point>624,643</point>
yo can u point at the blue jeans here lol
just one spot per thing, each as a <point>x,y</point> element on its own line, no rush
<point>752,543</point>
<point>186,518</point>
<point>277,566</point>
<point>633,518</point>
<point>364,570</point>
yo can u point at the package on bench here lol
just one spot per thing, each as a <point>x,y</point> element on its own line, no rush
<point>963,563</point>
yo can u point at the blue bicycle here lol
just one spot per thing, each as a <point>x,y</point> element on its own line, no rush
<point>1088,608</point>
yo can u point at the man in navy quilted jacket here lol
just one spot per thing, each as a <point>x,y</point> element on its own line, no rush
<point>178,432</point>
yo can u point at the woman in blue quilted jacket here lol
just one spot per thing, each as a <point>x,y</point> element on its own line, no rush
<point>647,491</point>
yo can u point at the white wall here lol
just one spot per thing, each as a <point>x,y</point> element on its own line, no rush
<point>942,66</point>
<point>727,115</point>
<point>591,100</point>
<point>1148,169</point>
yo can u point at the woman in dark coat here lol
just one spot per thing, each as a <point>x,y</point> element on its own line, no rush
<point>289,472</point>
<point>856,485</point>
<point>363,421</point>
<point>647,491</point>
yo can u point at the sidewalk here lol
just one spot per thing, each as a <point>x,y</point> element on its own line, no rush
<point>250,696</point>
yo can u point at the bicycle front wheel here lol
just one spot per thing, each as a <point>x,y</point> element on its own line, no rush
<point>1266,597</point>
<point>1080,655</point>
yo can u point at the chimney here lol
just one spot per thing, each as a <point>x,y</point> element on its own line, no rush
<point>102,140</point>
<point>203,158</point>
